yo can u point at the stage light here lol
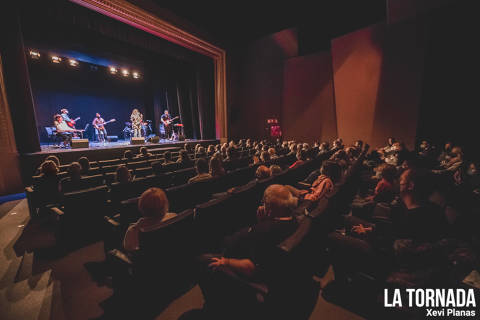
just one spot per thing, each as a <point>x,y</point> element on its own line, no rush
<point>34,54</point>
<point>113,70</point>
<point>125,72</point>
<point>73,62</point>
<point>56,59</point>
<point>136,75</point>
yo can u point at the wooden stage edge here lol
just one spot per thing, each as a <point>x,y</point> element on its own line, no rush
<point>31,161</point>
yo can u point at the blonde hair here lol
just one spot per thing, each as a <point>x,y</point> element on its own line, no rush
<point>153,203</point>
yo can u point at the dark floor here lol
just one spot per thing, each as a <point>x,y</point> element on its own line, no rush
<point>37,283</point>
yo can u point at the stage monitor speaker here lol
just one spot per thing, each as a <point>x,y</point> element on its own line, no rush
<point>79,143</point>
<point>137,140</point>
<point>154,139</point>
<point>112,138</point>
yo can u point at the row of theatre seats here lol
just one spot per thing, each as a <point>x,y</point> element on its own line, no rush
<point>168,255</point>
<point>86,208</point>
<point>147,172</point>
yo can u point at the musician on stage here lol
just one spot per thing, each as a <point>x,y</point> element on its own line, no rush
<point>137,120</point>
<point>70,122</point>
<point>99,124</point>
<point>63,130</point>
<point>167,124</point>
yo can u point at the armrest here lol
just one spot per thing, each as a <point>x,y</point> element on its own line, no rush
<point>120,256</point>
<point>303,185</point>
<point>112,221</point>
<point>57,211</point>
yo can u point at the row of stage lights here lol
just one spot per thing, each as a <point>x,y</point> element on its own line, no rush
<point>74,63</point>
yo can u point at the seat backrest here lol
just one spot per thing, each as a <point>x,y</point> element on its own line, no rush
<point>188,195</point>
<point>182,176</point>
<point>86,204</point>
<point>105,163</point>
<point>143,172</point>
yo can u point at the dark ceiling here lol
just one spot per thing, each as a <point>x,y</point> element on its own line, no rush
<point>239,22</point>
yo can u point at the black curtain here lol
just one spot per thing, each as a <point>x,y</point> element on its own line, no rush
<point>17,81</point>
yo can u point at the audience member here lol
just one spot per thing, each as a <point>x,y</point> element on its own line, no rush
<point>184,159</point>
<point>167,158</point>
<point>84,164</point>
<point>153,205</point>
<point>201,166</point>
<point>275,169</point>
<point>123,174</point>
<point>144,154</point>
<point>128,155</point>
<point>216,167</point>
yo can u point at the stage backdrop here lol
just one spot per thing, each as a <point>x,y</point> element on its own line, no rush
<point>84,92</point>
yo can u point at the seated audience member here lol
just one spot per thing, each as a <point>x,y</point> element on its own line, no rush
<point>48,186</point>
<point>84,164</point>
<point>187,147</point>
<point>210,151</point>
<point>324,185</point>
<point>157,168</point>
<point>247,252</point>
<point>49,158</point>
<point>385,191</point>
<point>293,150</point>
<point>275,169</point>
<point>167,158</point>
<point>144,154</point>
<point>358,145</point>
<point>446,154</point>
<point>272,153</point>
<point>128,155</point>
<point>201,166</point>
<point>263,172</point>
<point>123,175</point>
<point>455,162</point>
<point>338,143</point>
<point>415,227</point>
<point>341,158</point>
<point>216,167</point>
<point>200,153</point>
<point>324,148</point>
<point>264,157</point>
<point>54,159</point>
<point>223,152</point>
<point>427,154</point>
<point>153,205</point>
<point>184,159</point>
<point>72,182</point>
<point>301,158</point>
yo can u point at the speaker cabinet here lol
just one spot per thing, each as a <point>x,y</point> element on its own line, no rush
<point>154,139</point>
<point>112,138</point>
<point>79,143</point>
<point>137,140</point>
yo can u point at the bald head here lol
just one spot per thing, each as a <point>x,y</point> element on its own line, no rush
<point>278,201</point>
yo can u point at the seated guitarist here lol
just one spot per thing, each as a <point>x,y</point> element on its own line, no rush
<point>167,124</point>
<point>63,130</point>
<point>70,122</point>
<point>99,125</point>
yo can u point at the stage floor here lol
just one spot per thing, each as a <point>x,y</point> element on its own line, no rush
<point>51,148</point>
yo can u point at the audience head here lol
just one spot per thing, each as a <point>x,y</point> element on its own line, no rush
<point>184,155</point>
<point>390,141</point>
<point>210,150</point>
<point>201,165</point>
<point>358,144</point>
<point>123,174</point>
<point>187,147</point>
<point>200,151</point>
<point>263,172</point>
<point>49,168</point>
<point>271,152</point>
<point>264,156</point>
<point>84,163</point>
<point>75,171</point>
<point>388,172</point>
<point>223,150</point>
<point>302,155</point>
<point>457,152</point>
<point>332,170</point>
<point>153,203</point>
<point>278,201</point>
<point>275,169</point>
<point>324,146</point>
<point>415,185</point>
<point>54,159</point>
<point>128,154</point>
<point>472,169</point>
<point>216,167</point>
<point>144,151</point>
<point>448,146</point>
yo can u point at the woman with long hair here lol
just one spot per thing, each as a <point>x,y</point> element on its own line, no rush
<point>136,118</point>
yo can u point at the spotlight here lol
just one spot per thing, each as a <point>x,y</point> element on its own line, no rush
<point>73,62</point>
<point>34,54</point>
<point>56,59</point>
<point>113,70</point>
<point>136,75</point>
<point>125,72</point>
